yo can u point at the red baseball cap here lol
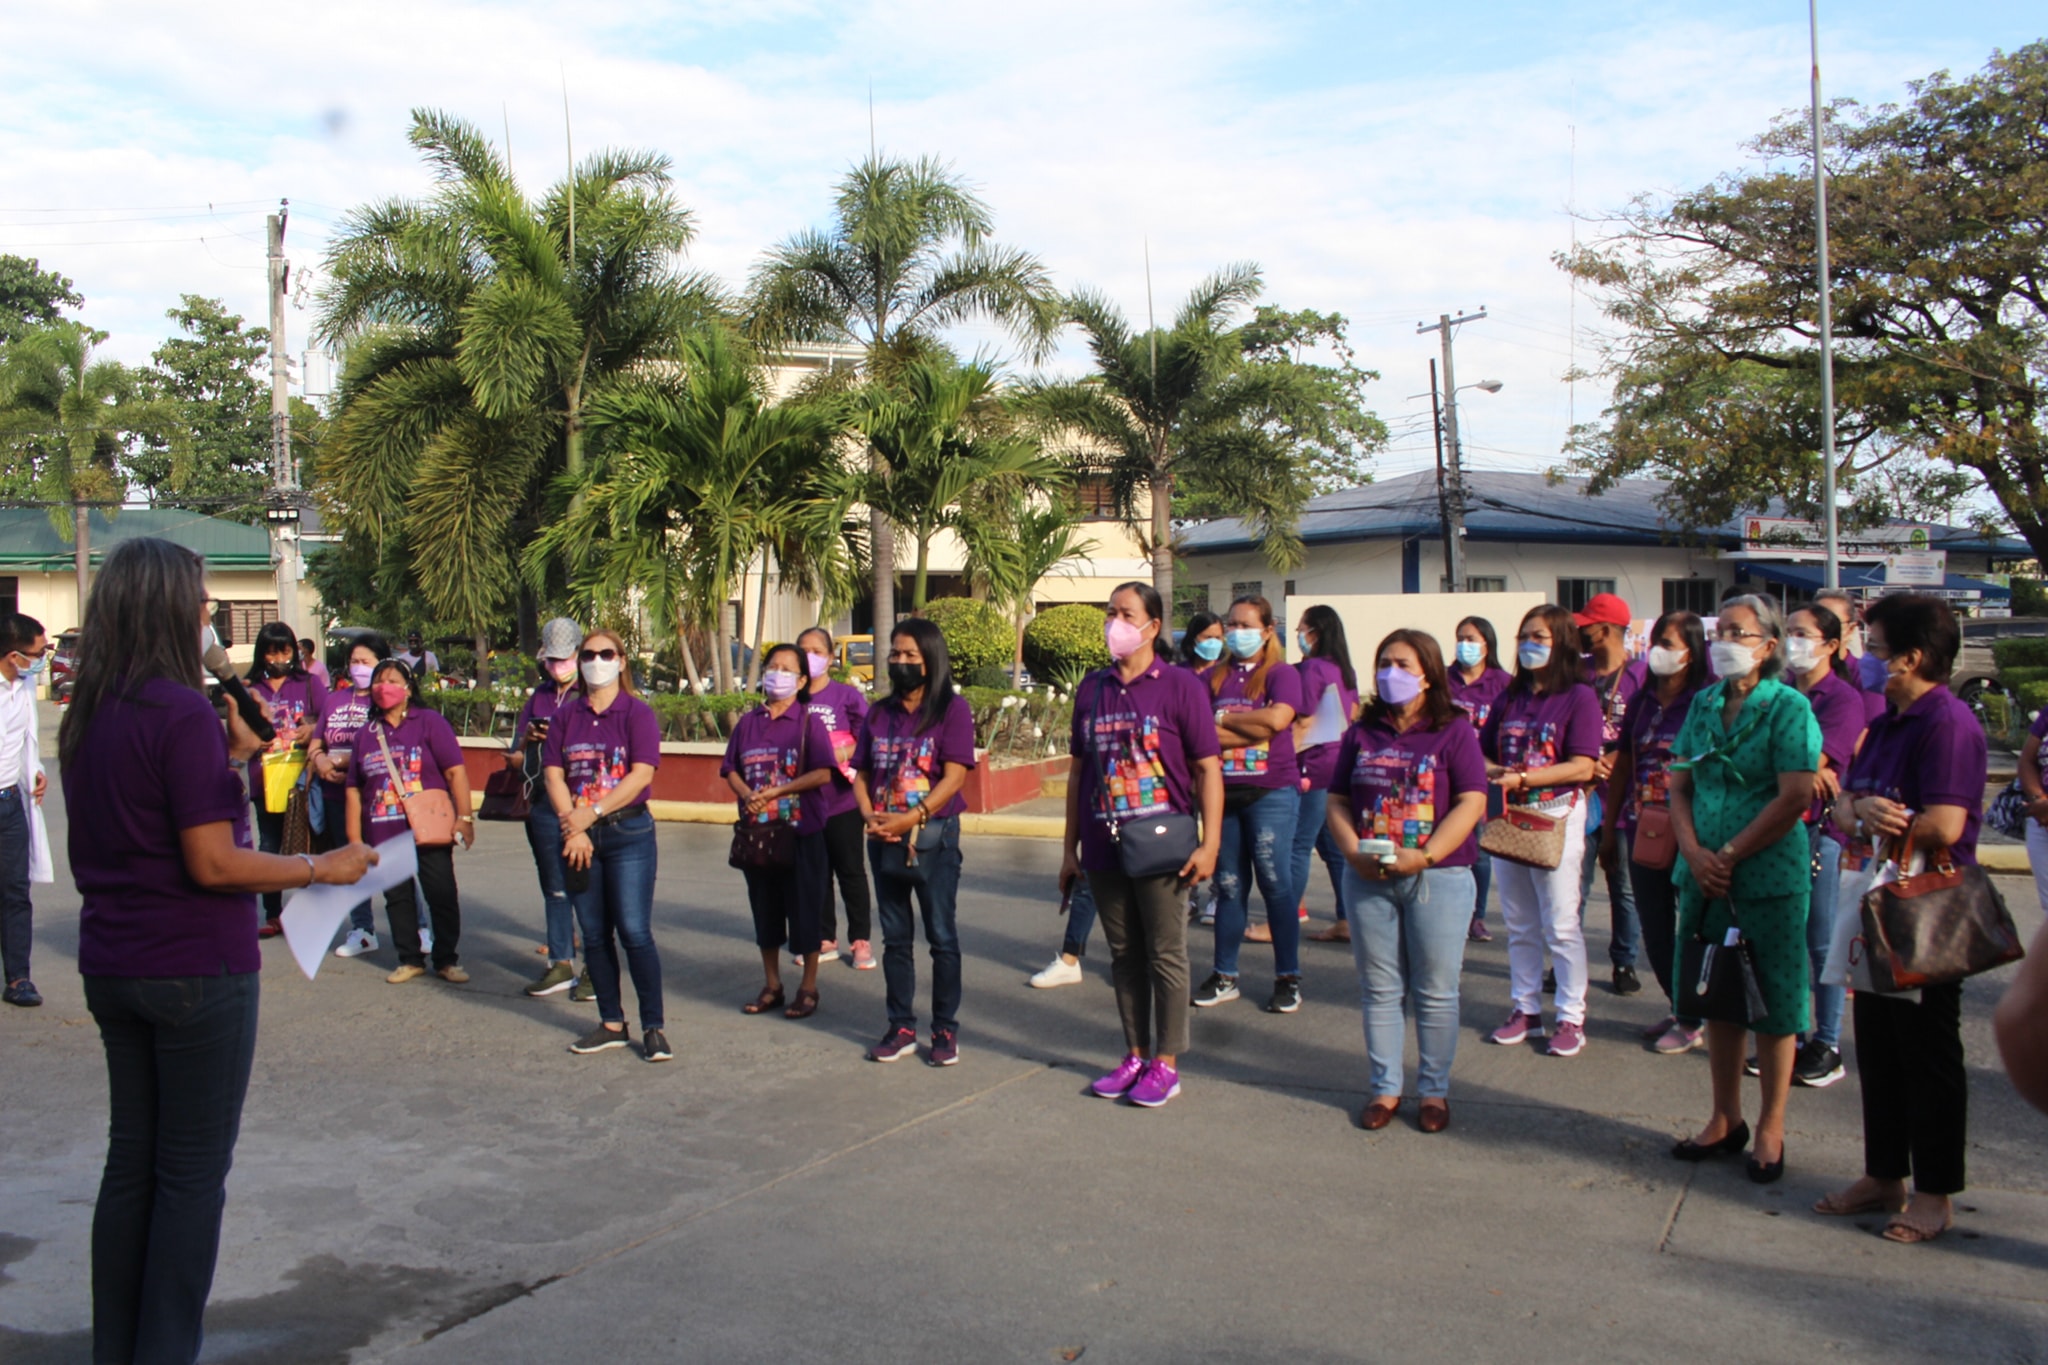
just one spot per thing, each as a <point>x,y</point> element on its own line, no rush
<point>1604,610</point>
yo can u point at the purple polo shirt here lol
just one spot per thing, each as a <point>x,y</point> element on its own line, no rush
<point>596,751</point>
<point>844,710</point>
<point>1648,734</point>
<point>2039,730</point>
<point>1476,699</point>
<point>1874,706</point>
<point>767,751</point>
<point>542,704</point>
<point>1319,762</point>
<point>1400,784</point>
<point>292,702</point>
<point>1271,764</point>
<point>1138,744</point>
<point>1531,732</point>
<point>1615,691</point>
<point>903,765</point>
<point>1840,711</point>
<point>1930,754</point>
<point>345,714</point>
<point>147,769</point>
<point>424,748</point>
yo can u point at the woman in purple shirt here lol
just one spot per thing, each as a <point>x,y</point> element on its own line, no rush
<point>1640,781</point>
<point>559,641</point>
<point>1257,696</point>
<point>294,698</point>
<point>1325,665</point>
<point>600,755</point>
<point>778,764</point>
<point>330,752</point>
<point>1477,680</point>
<point>166,940</point>
<point>1406,798</point>
<point>844,709</point>
<point>1918,785</point>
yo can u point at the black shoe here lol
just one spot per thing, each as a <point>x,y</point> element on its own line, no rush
<point>22,992</point>
<point>1761,1174</point>
<point>1626,982</point>
<point>1550,981</point>
<point>1217,990</point>
<point>655,1047</point>
<point>600,1039</point>
<point>1817,1065</point>
<point>1286,996</point>
<point>1732,1145</point>
<point>1751,1068</point>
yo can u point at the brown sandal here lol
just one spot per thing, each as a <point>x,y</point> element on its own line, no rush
<point>765,1001</point>
<point>1340,932</point>
<point>806,1005</point>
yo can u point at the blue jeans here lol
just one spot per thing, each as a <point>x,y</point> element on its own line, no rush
<point>544,837</point>
<point>620,901</point>
<point>1311,834</point>
<point>1258,842</point>
<point>1408,939</point>
<point>1080,919</point>
<point>1828,1001</point>
<point>1625,938</point>
<point>17,915</point>
<point>178,1054</point>
<point>1482,882</point>
<point>937,897</point>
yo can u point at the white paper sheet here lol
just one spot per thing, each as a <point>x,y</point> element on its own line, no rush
<point>1328,724</point>
<point>313,915</point>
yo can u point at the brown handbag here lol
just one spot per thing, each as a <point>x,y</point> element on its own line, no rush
<point>298,822</point>
<point>1656,842</point>
<point>1527,836</point>
<point>506,793</point>
<point>1937,926</point>
<point>431,813</point>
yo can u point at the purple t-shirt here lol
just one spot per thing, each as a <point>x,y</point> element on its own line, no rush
<point>1138,743</point>
<point>425,750</point>
<point>844,710</point>
<point>147,769</point>
<point>292,702</point>
<point>1615,692</point>
<point>1931,754</point>
<point>768,751</point>
<point>1531,732</point>
<point>1476,699</point>
<point>1648,734</point>
<point>1840,711</point>
<point>903,765</point>
<point>346,712</point>
<point>1319,762</point>
<point>596,751</point>
<point>1400,785</point>
<point>1272,763</point>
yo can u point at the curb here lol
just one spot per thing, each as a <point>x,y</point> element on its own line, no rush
<point>2007,858</point>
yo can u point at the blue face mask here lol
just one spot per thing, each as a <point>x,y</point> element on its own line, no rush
<point>1244,643</point>
<point>1470,653</point>
<point>1302,643</point>
<point>1533,655</point>
<point>1209,650</point>
<point>38,666</point>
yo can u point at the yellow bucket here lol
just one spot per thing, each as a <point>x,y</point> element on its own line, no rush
<point>282,770</point>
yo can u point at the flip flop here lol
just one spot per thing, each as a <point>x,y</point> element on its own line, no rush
<point>806,1005</point>
<point>765,1001</point>
<point>1830,1206</point>
<point>1336,933</point>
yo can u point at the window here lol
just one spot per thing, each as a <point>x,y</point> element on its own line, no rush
<point>1691,594</point>
<point>1486,585</point>
<point>1574,593</point>
<point>1255,587</point>
<point>237,622</point>
<point>1095,497</point>
<point>10,596</point>
<point>1189,598</point>
<point>1287,588</point>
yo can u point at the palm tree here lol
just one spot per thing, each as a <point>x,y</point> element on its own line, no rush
<point>908,254</point>
<point>1016,540</point>
<point>69,415</point>
<point>480,327</point>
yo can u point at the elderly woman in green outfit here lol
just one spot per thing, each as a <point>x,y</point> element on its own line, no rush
<point>1741,779</point>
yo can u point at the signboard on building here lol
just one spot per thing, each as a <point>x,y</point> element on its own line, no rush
<point>1792,539</point>
<point>1916,569</point>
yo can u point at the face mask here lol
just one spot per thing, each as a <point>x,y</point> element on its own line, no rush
<point>1852,641</point>
<point>1209,650</point>
<point>276,670</point>
<point>1533,655</point>
<point>1244,643</point>
<point>1801,654</point>
<point>600,672</point>
<point>388,695</point>
<point>359,675</point>
<point>1123,638</point>
<point>207,639</point>
<point>561,670</point>
<point>1471,653</point>
<point>819,664</point>
<point>1304,644</point>
<point>1665,661</point>
<point>1732,659</point>
<point>1397,686</point>
<point>905,677</point>
<point>779,684</point>
<point>35,666</point>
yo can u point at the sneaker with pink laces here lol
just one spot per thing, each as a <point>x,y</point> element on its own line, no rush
<point>1566,1040</point>
<point>1159,1084</point>
<point>1679,1039</point>
<point>863,956</point>
<point>1517,1030</point>
<point>1119,1081</point>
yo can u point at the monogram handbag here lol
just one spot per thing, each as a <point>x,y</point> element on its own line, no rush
<point>1524,835</point>
<point>1656,844</point>
<point>1936,926</point>
<point>431,813</point>
<point>507,794</point>
<point>298,821</point>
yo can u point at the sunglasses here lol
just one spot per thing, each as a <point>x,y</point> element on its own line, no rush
<point>607,655</point>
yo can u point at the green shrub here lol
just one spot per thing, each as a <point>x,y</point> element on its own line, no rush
<point>987,676</point>
<point>2029,597</point>
<point>2015,677</point>
<point>2033,696</point>
<point>977,636</point>
<point>2021,651</point>
<point>1065,638</point>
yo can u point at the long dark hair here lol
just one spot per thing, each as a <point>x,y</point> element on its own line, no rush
<point>1563,669</point>
<point>276,635</point>
<point>141,624</point>
<point>938,669</point>
<point>1694,632</point>
<point>1329,629</point>
<point>1830,630</point>
<point>1197,623</point>
<point>1437,706</point>
<point>803,669</point>
<point>1485,629</point>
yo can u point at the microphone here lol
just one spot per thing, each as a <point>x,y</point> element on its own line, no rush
<point>253,713</point>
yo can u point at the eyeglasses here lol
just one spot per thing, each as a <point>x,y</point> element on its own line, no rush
<point>607,655</point>
<point>1734,636</point>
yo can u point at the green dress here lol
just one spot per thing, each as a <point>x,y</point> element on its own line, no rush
<point>1775,733</point>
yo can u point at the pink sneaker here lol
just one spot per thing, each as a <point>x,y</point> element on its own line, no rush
<point>1119,1081</point>
<point>1566,1040</point>
<point>1159,1084</point>
<point>1678,1039</point>
<point>863,956</point>
<point>1517,1030</point>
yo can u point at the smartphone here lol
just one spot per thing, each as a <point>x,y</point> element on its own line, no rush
<point>1067,896</point>
<point>577,881</point>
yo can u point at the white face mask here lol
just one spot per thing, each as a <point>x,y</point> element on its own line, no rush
<point>1732,659</point>
<point>600,672</point>
<point>1665,661</point>
<point>1801,654</point>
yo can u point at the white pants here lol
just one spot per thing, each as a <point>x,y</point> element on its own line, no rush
<point>2037,857</point>
<point>1541,908</point>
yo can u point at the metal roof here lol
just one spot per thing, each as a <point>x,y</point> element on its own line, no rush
<point>1504,506</point>
<point>29,542</point>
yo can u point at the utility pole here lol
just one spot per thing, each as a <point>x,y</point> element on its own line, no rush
<point>1443,492</point>
<point>1827,322</point>
<point>284,474</point>
<point>1454,530</point>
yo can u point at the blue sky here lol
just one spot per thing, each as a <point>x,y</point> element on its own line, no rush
<point>1388,161</point>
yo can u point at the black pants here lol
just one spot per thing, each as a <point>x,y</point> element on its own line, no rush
<point>1657,912</point>
<point>1916,1092</point>
<point>790,903</point>
<point>178,1054</point>
<point>846,847</point>
<point>444,910</point>
<point>269,839</point>
<point>17,913</point>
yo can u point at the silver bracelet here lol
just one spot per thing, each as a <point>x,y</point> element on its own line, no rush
<point>312,868</point>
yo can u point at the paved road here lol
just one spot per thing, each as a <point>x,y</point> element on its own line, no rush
<point>426,1175</point>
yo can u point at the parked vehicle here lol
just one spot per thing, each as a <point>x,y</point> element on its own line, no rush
<point>857,657</point>
<point>64,666</point>
<point>1976,670</point>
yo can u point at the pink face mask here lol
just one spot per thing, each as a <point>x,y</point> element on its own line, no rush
<point>388,695</point>
<point>561,670</point>
<point>819,664</point>
<point>1123,638</point>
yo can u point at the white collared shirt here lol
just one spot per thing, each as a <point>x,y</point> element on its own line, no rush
<point>19,756</point>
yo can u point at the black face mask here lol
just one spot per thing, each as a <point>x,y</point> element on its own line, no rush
<point>905,677</point>
<point>277,670</point>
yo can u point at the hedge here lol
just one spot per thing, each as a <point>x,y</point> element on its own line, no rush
<point>1065,638</point>
<point>2017,677</point>
<point>977,636</point>
<point>2021,651</point>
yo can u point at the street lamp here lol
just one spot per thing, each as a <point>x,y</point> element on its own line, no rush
<point>1452,495</point>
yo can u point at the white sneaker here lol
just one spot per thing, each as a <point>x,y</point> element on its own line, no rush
<point>358,942</point>
<point>828,951</point>
<point>1058,972</point>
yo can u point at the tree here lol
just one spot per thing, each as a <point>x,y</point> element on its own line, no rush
<point>31,297</point>
<point>1015,540</point>
<point>1938,224</point>
<point>908,255</point>
<point>212,373</point>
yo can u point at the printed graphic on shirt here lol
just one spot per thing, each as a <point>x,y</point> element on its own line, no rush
<point>1531,746</point>
<point>592,769</point>
<point>908,767</point>
<point>344,722</point>
<point>1478,708</point>
<point>843,740</point>
<point>770,765</point>
<point>1132,774</point>
<point>1248,762</point>
<point>1405,810</point>
<point>1613,708</point>
<point>386,803</point>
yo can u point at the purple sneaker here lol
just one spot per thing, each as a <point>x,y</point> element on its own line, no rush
<point>1517,1030</point>
<point>945,1048</point>
<point>1120,1080</point>
<point>1566,1040</point>
<point>897,1044</point>
<point>1479,933</point>
<point>1159,1084</point>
